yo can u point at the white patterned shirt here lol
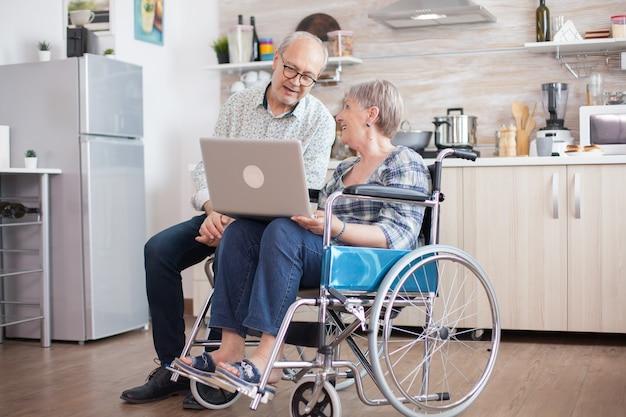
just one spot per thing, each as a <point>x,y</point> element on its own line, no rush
<point>245,115</point>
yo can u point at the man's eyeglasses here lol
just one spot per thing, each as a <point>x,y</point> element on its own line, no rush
<point>291,73</point>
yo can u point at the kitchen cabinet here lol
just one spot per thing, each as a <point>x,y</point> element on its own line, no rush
<point>20,261</point>
<point>515,226</point>
<point>551,238</point>
<point>596,249</point>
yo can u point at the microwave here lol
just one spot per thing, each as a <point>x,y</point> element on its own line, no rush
<point>604,126</point>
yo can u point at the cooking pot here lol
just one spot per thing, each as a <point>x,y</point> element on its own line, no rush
<point>455,130</point>
<point>417,140</point>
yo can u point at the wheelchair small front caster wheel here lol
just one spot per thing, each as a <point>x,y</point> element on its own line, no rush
<point>213,398</point>
<point>327,405</point>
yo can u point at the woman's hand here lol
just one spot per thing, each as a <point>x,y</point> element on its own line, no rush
<point>315,223</point>
<point>212,228</point>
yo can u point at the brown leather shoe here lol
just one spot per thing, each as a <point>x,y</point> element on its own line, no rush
<point>158,387</point>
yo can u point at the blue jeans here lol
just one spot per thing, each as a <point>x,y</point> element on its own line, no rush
<point>166,254</point>
<point>259,271</point>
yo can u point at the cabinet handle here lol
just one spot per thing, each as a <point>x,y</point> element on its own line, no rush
<point>555,195</point>
<point>577,195</point>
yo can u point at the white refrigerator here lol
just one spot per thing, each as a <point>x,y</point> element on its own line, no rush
<point>83,115</point>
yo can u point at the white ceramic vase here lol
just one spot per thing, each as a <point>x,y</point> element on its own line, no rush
<point>30,163</point>
<point>44,55</point>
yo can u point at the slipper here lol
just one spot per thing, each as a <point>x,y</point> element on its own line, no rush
<point>247,382</point>
<point>203,367</point>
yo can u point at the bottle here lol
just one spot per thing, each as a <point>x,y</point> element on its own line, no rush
<point>240,19</point>
<point>543,22</point>
<point>256,53</point>
<point>15,210</point>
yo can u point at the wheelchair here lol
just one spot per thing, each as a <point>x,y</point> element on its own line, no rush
<point>422,326</point>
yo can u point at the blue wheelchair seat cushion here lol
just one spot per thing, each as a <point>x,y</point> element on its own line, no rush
<point>351,268</point>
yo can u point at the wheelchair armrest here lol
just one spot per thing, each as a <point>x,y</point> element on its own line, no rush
<point>385,192</point>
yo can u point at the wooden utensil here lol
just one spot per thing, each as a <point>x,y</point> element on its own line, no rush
<point>532,117</point>
<point>524,116</point>
<point>530,126</point>
<point>518,111</point>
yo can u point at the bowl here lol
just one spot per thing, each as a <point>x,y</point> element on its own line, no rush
<point>417,140</point>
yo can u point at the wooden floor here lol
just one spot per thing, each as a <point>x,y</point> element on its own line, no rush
<point>537,374</point>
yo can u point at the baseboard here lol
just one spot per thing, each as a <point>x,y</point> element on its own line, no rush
<point>188,303</point>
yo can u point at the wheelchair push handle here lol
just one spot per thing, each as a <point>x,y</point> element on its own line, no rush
<point>444,153</point>
<point>459,153</point>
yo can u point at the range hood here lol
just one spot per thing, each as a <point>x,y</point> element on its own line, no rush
<point>417,13</point>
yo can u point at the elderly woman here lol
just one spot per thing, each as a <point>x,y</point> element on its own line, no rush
<point>262,265</point>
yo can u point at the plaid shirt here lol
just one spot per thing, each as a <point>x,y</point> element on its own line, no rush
<point>401,223</point>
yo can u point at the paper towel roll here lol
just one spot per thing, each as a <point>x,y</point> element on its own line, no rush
<point>5,147</point>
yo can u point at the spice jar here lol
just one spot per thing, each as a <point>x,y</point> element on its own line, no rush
<point>508,144</point>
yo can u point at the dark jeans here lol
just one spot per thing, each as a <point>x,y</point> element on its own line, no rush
<point>166,254</point>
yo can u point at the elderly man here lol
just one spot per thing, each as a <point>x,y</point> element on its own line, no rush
<point>284,109</point>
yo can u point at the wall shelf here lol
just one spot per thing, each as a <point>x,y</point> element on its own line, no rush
<point>332,61</point>
<point>581,57</point>
<point>336,61</point>
<point>589,46</point>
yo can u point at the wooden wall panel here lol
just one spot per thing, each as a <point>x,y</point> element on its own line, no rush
<point>479,67</point>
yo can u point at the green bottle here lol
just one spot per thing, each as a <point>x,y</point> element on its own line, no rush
<point>543,22</point>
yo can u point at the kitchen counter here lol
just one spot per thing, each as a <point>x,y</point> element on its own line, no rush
<point>533,161</point>
<point>523,161</point>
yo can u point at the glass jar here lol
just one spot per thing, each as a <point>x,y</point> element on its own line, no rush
<point>618,26</point>
<point>595,90</point>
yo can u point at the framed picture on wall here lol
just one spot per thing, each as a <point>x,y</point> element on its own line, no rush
<point>149,21</point>
<point>77,13</point>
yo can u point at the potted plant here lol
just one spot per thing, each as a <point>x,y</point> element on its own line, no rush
<point>109,53</point>
<point>220,46</point>
<point>30,159</point>
<point>44,50</point>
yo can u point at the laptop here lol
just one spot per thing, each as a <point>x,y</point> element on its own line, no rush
<point>256,178</point>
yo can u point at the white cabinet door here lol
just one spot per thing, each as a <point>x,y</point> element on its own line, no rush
<point>597,248</point>
<point>515,226</point>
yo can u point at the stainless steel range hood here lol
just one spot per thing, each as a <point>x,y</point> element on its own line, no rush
<point>417,13</point>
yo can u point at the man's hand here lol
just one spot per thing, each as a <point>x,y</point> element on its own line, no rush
<point>212,228</point>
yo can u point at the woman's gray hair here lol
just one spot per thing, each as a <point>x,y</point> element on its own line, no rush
<point>304,35</point>
<point>385,96</point>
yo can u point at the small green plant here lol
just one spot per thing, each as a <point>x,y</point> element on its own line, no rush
<point>220,45</point>
<point>109,51</point>
<point>30,153</point>
<point>148,7</point>
<point>43,46</point>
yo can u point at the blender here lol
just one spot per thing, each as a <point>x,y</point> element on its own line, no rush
<point>554,100</point>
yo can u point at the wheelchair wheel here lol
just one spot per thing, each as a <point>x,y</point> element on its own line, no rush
<point>439,367</point>
<point>213,398</point>
<point>327,404</point>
